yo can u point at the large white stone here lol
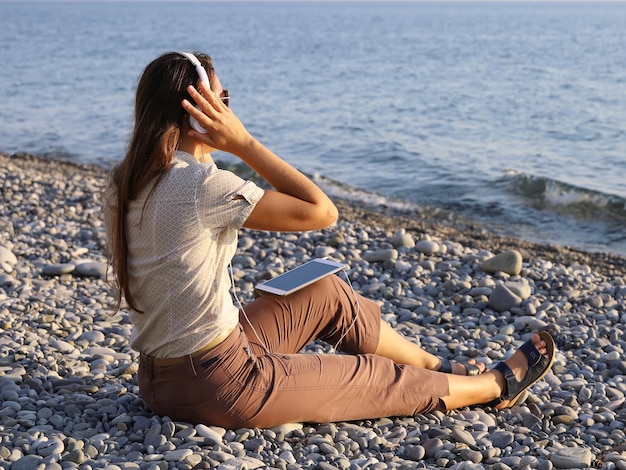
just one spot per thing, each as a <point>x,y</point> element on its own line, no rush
<point>509,262</point>
<point>7,256</point>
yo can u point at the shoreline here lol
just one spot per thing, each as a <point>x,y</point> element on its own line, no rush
<point>67,373</point>
<point>475,236</point>
<point>468,234</point>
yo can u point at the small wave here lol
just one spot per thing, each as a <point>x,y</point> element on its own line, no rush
<point>334,188</point>
<point>389,205</point>
<point>350,193</point>
<point>548,194</point>
<point>347,192</point>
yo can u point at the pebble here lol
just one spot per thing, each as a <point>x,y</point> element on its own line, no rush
<point>7,257</point>
<point>402,239</point>
<point>502,439</point>
<point>68,392</point>
<point>427,247</point>
<point>91,268</point>
<point>503,299</point>
<point>386,254</point>
<point>572,457</point>
<point>50,447</point>
<point>58,269</point>
<point>210,436</point>
<point>177,455</point>
<point>29,462</point>
<point>7,280</point>
<point>509,262</point>
<point>521,289</point>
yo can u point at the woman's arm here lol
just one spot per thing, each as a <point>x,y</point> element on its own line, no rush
<point>296,204</point>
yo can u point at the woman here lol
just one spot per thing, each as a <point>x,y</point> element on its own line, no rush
<point>172,221</point>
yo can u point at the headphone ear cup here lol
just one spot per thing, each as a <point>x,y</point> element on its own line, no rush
<point>195,125</point>
<point>204,79</point>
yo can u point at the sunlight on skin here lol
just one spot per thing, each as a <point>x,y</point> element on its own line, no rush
<point>393,345</point>
<point>464,390</point>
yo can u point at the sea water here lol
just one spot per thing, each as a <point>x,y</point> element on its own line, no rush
<point>508,114</point>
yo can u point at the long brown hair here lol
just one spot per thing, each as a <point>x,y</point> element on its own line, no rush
<point>159,118</point>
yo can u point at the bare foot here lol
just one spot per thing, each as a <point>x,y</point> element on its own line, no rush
<point>459,368</point>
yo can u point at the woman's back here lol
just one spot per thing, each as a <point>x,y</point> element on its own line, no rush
<point>181,237</point>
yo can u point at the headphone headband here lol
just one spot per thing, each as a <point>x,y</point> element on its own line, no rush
<point>204,79</point>
<point>199,68</point>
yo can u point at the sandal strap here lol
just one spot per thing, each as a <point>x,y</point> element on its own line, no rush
<point>446,366</point>
<point>509,383</point>
<point>533,356</point>
<point>537,364</point>
<point>472,369</point>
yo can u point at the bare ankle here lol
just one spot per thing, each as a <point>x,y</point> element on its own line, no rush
<point>499,384</point>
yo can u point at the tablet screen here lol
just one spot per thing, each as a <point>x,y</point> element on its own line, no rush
<point>301,276</point>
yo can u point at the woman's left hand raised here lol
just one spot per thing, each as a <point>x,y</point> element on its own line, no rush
<point>224,130</point>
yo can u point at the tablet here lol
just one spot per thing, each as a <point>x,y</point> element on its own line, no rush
<point>301,276</point>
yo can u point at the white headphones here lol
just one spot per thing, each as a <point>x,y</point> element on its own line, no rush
<point>204,79</point>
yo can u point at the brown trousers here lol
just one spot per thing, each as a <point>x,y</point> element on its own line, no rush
<point>237,384</point>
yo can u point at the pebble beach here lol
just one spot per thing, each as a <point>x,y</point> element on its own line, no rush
<point>69,397</point>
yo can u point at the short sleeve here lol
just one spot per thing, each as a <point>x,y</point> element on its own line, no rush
<point>225,200</point>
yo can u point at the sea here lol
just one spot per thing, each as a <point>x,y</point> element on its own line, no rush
<point>511,116</point>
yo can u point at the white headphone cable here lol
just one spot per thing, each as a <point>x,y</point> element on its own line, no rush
<point>239,304</point>
<point>356,315</point>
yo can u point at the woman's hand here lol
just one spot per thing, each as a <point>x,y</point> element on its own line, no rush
<point>224,130</point>
<point>297,203</point>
